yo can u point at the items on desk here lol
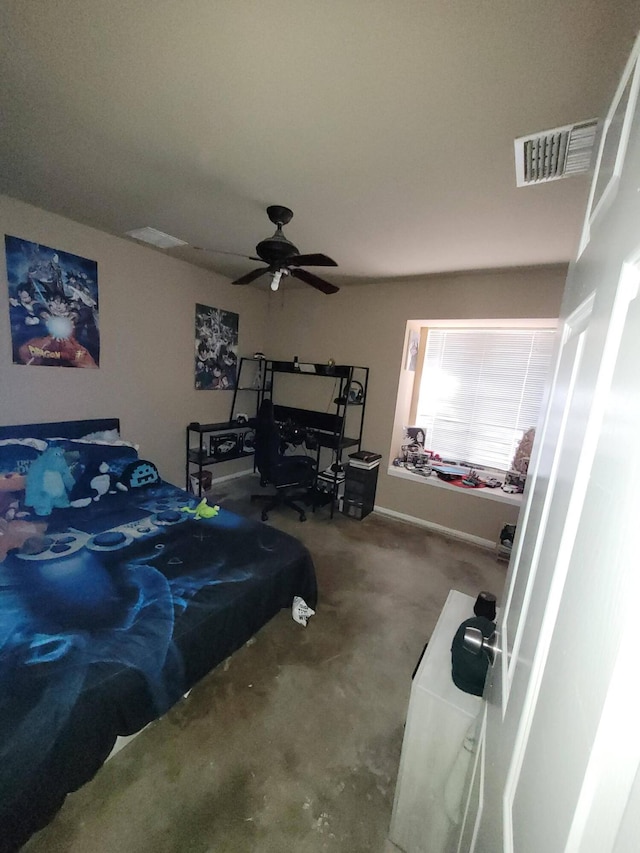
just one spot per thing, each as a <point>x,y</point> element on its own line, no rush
<point>293,434</point>
<point>354,394</point>
<point>223,445</point>
<point>331,478</point>
<point>335,471</point>
<point>365,459</point>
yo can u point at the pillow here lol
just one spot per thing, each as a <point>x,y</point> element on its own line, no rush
<point>88,460</point>
<point>37,443</point>
<point>139,474</point>
<point>108,436</point>
<point>93,483</point>
<point>17,455</point>
<point>97,451</point>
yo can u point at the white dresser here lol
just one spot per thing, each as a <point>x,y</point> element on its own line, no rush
<point>434,761</point>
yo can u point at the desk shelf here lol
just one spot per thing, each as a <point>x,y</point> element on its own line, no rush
<point>195,458</point>
<point>202,443</point>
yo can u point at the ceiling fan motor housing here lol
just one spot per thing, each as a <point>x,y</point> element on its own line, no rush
<point>276,249</point>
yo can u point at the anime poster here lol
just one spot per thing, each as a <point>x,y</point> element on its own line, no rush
<point>216,349</point>
<point>53,306</point>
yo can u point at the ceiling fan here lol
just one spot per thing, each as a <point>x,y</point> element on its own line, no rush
<point>283,258</point>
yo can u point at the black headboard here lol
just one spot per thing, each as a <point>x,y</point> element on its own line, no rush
<point>59,429</point>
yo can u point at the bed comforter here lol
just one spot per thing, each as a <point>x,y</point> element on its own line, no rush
<point>107,617</point>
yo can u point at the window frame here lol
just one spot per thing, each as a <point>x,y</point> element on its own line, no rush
<point>406,410</point>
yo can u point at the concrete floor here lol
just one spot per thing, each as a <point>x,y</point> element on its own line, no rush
<point>293,743</point>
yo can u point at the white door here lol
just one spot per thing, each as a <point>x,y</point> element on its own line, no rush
<point>558,749</point>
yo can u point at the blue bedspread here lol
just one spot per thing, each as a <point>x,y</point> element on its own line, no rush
<point>108,617</point>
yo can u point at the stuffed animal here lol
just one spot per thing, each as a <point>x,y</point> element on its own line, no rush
<point>11,485</point>
<point>48,482</point>
<point>523,452</point>
<point>203,510</point>
<point>14,533</point>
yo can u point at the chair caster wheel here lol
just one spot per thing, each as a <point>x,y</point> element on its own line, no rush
<point>264,516</point>
<point>303,517</point>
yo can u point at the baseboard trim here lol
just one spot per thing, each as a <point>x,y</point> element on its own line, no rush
<point>399,516</point>
<point>437,528</point>
<point>244,473</point>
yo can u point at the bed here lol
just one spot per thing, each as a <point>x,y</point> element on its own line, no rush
<point>116,597</point>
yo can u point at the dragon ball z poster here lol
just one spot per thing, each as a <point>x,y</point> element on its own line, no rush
<point>216,346</point>
<point>53,306</point>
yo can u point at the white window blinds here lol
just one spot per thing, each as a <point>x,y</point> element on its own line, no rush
<point>481,389</point>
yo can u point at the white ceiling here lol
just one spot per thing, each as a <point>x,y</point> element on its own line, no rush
<point>386,125</point>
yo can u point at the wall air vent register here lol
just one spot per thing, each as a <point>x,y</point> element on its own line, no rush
<point>554,154</point>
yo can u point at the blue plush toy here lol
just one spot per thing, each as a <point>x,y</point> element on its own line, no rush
<point>48,482</point>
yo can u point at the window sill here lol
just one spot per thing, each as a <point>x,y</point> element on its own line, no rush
<point>433,480</point>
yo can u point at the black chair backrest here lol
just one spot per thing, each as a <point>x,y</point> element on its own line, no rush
<point>267,441</point>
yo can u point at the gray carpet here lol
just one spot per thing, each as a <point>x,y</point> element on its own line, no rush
<point>293,743</point>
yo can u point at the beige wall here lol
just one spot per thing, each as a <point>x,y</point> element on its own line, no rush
<point>146,374</point>
<point>366,324</point>
<point>147,304</point>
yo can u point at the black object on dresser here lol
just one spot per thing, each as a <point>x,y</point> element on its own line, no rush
<point>359,491</point>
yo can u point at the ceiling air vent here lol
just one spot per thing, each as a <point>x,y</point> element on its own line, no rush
<point>156,238</point>
<point>554,154</point>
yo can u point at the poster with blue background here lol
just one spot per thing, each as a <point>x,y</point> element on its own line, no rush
<point>53,306</point>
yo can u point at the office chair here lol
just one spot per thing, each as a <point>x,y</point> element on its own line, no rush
<point>289,474</point>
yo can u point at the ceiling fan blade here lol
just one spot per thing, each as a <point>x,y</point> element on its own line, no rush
<point>317,260</point>
<point>251,276</point>
<point>314,281</point>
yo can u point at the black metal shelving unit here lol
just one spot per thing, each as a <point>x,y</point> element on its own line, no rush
<point>249,387</point>
<point>328,427</point>
<point>246,396</point>
<point>257,380</point>
<point>199,456</point>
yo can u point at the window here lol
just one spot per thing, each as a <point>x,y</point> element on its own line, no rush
<point>481,389</point>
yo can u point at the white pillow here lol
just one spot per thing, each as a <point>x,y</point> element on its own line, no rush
<point>36,443</point>
<point>85,440</point>
<point>109,435</point>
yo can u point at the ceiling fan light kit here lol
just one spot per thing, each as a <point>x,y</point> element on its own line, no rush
<point>275,281</point>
